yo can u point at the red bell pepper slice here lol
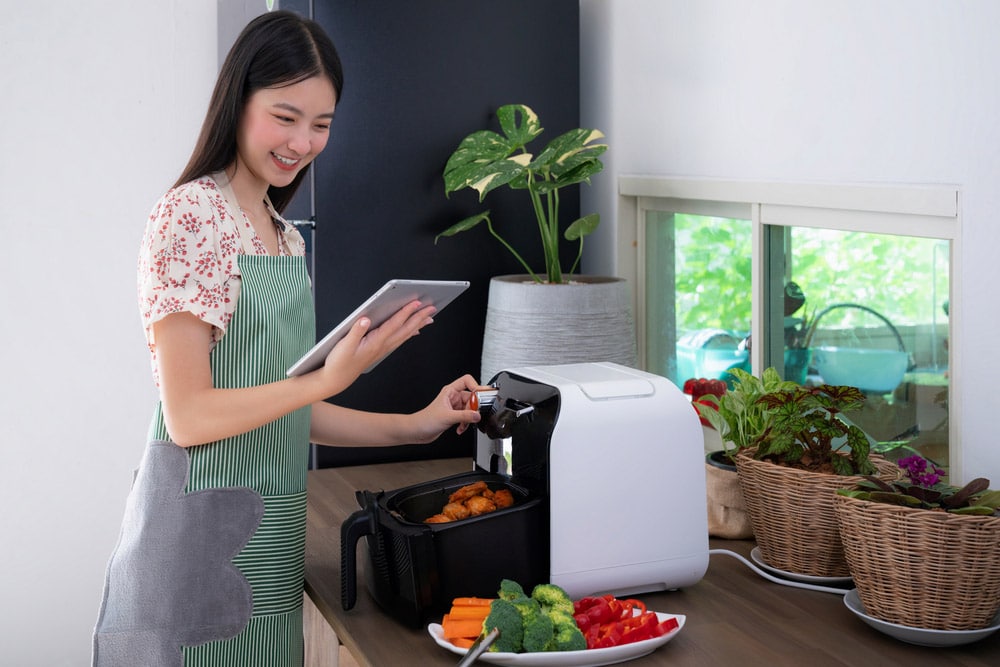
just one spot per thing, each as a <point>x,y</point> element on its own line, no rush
<point>665,626</point>
<point>637,604</point>
<point>606,621</point>
<point>610,635</point>
<point>601,611</point>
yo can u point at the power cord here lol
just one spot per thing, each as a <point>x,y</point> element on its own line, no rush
<point>778,580</point>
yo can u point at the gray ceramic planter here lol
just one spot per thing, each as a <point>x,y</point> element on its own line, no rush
<point>528,323</point>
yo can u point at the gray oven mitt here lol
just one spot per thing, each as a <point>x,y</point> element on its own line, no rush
<point>171,580</point>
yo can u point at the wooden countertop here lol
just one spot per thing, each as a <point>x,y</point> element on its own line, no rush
<point>734,616</point>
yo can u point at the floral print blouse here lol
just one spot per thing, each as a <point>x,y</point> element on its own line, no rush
<point>187,260</point>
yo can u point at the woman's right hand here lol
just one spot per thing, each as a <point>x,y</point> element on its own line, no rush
<point>196,412</point>
<point>364,347</point>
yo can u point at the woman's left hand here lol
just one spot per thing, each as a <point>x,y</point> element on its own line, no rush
<point>339,426</point>
<point>451,406</point>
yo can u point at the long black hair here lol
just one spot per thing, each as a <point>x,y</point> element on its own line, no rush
<point>275,49</point>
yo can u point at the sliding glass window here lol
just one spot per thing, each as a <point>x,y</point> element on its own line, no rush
<point>835,285</point>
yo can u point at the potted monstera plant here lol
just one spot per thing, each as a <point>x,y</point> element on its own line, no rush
<point>551,316</point>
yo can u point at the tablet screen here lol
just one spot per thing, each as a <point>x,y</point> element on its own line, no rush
<point>379,307</point>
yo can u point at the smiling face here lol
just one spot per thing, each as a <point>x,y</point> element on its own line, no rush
<point>282,130</point>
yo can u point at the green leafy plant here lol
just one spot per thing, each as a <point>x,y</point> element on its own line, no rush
<point>738,414</point>
<point>799,332</point>
<point>486,160</point>
<point>923,488</point>
<point>806,430</point>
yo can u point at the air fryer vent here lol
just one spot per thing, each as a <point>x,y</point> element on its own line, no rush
<point>377,552</point>
<point>401,557</point>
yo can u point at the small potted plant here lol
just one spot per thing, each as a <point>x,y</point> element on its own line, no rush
<point>807,431</point>
<point>798,334</point>
<point>586,317</point>
<point>923,553</point>
<point>790,471</point>
<point>737,418</point>
<point>737,414</point>
<point>698,389</point>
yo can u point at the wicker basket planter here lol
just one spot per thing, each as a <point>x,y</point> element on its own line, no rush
<point>792,515</point>
<point>922,568</point>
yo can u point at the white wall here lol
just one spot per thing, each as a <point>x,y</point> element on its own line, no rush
<point>102,101</point>
<point>844,91</point>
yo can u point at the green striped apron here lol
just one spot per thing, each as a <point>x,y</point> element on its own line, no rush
<point>271,328</point>
<point>273,325</point>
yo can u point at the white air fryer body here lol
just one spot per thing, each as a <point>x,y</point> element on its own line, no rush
<point>626,480</point>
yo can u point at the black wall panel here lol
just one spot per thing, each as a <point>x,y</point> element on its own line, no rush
<point>419,76</point>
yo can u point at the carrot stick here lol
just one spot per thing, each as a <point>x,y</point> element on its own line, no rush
<point>460,627</point>
<point>463,642</point>
<point>471,602</point>
<point>480,612</point>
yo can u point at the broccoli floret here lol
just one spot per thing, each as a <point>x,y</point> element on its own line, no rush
<point>566,635</point>
<point>537,626</point>
<point>557,605</point>
<point>540,622</point>
<point>510,590</point>
<point>552,597</point>
<point>504,615</point>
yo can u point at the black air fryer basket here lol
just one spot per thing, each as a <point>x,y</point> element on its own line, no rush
<point>416,569</point>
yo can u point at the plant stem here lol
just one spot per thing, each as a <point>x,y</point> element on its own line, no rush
<point>579,255</point>
<point>489,225</point>
<point>543,229</point>
<point>555,275</point>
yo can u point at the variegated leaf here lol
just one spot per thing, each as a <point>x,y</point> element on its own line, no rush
<point>582,227</point>
<point>519,134</point>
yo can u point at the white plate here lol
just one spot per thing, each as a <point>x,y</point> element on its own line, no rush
<point>918,636</point>
<point>795,576</point>
<point>590,658</point>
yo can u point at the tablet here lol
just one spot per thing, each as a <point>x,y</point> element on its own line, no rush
<point>379,307</point>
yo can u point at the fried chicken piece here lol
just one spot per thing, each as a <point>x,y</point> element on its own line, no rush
<point>437,518</point>
<point>455,511</point>
<point>503,498</point>
<point>467,491</point>
<point>479,505</point>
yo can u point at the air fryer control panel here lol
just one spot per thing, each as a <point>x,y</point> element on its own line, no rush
<point>516,430</point>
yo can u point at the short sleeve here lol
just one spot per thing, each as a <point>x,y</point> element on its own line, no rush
<point>187,260</point>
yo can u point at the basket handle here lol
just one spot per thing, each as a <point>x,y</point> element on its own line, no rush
<point>892,328</point>
<point>353,529</point>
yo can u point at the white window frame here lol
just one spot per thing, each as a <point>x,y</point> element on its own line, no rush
<point>930,211</point>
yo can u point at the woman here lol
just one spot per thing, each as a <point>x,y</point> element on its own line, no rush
<point>209,566</point>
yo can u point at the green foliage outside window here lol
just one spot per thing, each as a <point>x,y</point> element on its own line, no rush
<point>712,273</point>
<point>894,275</point>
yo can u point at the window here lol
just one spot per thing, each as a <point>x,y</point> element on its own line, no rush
<point>837,284</point>
<point>698,302</point>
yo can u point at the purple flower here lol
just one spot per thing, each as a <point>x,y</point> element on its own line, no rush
<point>917,470</point>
